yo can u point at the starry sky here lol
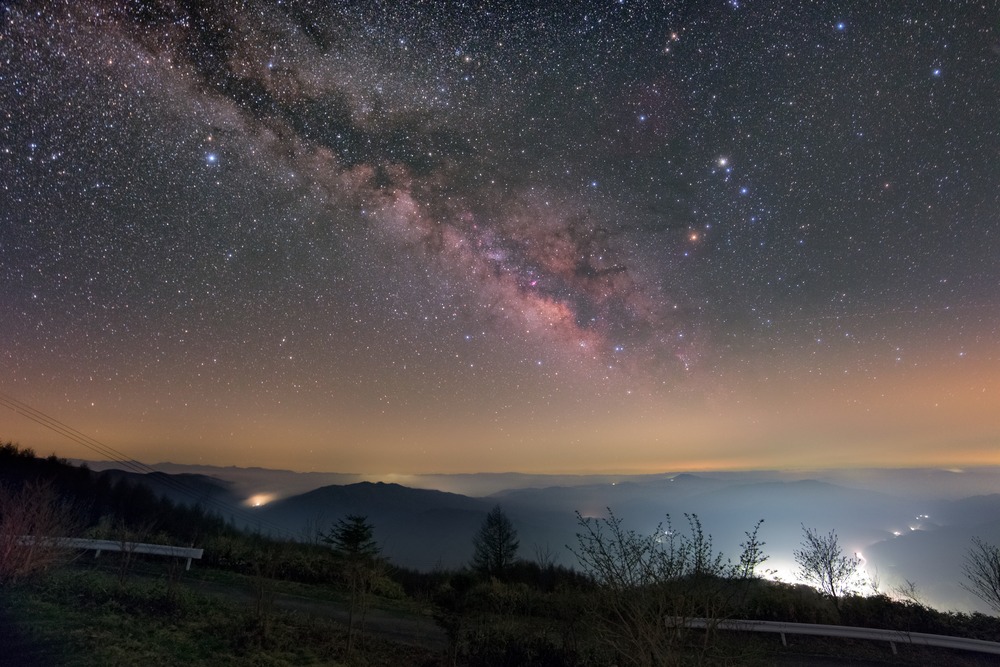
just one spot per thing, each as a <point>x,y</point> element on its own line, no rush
<point>596,236</point>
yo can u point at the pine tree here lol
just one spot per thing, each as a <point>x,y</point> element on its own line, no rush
<point>353,538</point>
<point>495,545</point>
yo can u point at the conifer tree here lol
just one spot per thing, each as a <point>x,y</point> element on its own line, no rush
<point>495,545</point>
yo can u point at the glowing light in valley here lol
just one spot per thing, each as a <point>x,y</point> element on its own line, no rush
<point>259,500</point>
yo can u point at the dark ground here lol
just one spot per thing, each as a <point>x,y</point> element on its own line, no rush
<point>17,650</point>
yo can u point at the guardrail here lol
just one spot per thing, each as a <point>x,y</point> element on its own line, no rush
<point>118,545</point>
<point>892,636</point>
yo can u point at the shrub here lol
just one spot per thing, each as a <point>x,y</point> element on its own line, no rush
<point>31,522</point>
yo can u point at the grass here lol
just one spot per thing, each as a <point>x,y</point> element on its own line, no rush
<point>83,616</point>
<point>86,618</point>
<point>402,607</point>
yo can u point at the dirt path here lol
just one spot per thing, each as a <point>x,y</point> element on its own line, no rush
<point>410,630</point>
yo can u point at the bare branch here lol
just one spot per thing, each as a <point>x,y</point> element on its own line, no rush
<point>982,570</point>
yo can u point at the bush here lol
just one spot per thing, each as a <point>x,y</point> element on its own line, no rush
<point>31,522</point>
<point>796,603</point>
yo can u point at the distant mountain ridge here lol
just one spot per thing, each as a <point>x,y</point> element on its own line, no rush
<point>916,483</point>
<point>186,488</point>
<point>903,536</point>
<point>416,527</point>
<point>374,498</point>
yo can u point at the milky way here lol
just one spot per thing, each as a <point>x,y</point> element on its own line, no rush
<point>451,237</point>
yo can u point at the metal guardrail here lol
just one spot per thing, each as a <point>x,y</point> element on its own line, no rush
<point>118,545</point>
<point>892,636</point>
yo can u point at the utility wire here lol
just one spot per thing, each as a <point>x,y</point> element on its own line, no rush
<point>132,465</point>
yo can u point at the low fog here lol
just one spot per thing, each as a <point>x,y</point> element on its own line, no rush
<point>906,525</point>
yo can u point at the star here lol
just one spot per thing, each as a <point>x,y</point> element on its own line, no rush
<point>374,186</point>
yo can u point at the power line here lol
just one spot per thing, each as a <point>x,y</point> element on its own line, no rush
<point>131,464</point>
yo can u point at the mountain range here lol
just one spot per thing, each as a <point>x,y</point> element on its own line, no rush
<point>917,532</point>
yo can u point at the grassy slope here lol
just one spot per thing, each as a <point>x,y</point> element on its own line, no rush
<point>81,615</point>
<point>86,618</point>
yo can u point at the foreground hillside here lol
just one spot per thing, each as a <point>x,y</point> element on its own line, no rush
<point>83,616</point>
<point>259,600</point>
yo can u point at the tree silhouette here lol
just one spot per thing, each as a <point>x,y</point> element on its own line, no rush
<point>822,563</point>
<point>353,538</point>
<point>495,545</point>
<point>650,585</point>
<point>982,569</point>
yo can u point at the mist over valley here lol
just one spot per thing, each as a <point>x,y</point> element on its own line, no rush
<point>907,525</point>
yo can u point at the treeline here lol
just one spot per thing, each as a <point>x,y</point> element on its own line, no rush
<point>104,499</point>
<point>626,602</point>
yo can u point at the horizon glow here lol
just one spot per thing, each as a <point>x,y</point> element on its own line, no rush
<point>559,239</point>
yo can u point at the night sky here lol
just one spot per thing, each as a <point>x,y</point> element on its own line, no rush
<point>559,236</point>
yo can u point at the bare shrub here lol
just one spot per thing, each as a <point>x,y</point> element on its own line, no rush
<point>128,539</point>
<point>32,521</point>
<point>651,586</point>
<point>822,563</point>
<point>982,571</point>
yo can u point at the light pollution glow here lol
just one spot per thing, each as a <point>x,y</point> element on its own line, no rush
<point>899,420</point>
<point>411,239</point>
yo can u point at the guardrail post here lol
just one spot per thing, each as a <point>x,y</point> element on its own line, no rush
<point>893,645</point>
<point>784,642</point>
